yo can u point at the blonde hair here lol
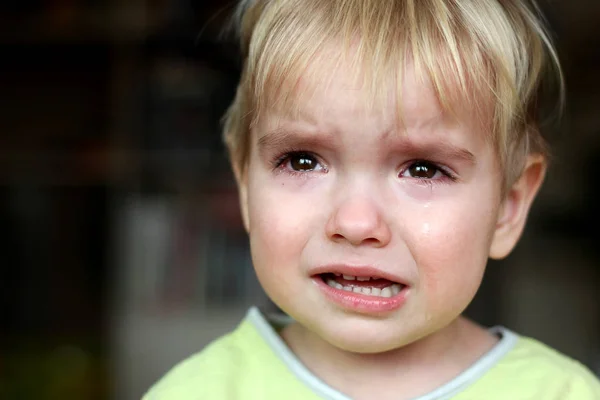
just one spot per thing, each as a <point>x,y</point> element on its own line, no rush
<point>474,53</point>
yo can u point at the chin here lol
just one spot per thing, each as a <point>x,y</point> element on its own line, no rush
<point>367,337</point>
<point>357,344</point>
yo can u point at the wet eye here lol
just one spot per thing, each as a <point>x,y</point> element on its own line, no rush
<point>302,162</point>
<point>298,162</point>
<point>423,170</point>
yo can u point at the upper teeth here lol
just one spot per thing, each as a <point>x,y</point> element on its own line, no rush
<point>358,278</point>
<point>389,291</point>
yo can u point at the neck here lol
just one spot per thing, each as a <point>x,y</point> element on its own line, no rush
<point>412,370</point>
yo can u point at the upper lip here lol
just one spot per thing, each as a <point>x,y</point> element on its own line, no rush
<point>357,270</point>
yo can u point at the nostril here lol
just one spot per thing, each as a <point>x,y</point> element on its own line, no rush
<point>337,237</point>
<point>371,241</point>
<point>368,241</point>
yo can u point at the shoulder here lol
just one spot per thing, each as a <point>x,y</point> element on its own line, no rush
<point>533,370</point>
<point>214,372</point>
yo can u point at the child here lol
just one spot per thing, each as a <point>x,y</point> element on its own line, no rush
<point>384,149</point>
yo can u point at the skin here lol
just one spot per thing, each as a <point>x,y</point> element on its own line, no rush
<point>351,197</point>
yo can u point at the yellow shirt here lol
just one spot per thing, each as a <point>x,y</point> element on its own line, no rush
<point>253,362</point>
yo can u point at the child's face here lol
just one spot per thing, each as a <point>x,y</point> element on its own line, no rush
<point>341,189</point>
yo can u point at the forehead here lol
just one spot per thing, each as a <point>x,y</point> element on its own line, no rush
<point>334,88</point>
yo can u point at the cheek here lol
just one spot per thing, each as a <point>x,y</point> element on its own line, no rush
<point>452,250</point>
<point>279,226</point>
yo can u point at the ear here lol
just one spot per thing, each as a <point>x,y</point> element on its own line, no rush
<point>241,177</point>
<point>516,205</point>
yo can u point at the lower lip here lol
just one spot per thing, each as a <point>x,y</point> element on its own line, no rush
<point>360,302</point>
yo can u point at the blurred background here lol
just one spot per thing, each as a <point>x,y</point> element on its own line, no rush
<point>121,247</point>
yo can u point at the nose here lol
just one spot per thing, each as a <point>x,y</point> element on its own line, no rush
<point>358,221</point>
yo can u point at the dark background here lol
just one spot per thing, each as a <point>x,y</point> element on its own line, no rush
<point>121,250</point>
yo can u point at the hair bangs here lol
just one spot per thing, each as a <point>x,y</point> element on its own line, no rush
<point>376,40</point>
<point>483,59</point>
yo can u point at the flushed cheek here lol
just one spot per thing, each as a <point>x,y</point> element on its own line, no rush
<point>451,252</point>
<point>280,226</point>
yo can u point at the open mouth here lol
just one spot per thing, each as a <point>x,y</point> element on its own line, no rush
<point>366,285</point>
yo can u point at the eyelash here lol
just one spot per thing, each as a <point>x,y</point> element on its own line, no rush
<point>447,174</point>
<point>279,164</point>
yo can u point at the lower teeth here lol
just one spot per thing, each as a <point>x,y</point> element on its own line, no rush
<point>389,291</point>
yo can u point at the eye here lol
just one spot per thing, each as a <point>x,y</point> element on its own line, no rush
<point>302,162</point>
<point>424,170</point>
<point>299,161</point>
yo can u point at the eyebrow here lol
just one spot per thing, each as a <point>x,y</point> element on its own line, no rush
<point>441,149</point>
<point>284,137</point>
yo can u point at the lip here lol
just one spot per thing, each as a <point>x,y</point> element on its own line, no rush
<point>358,302</point>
